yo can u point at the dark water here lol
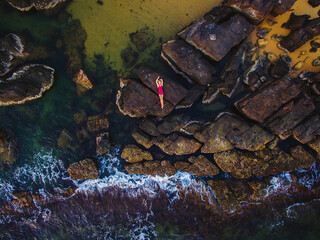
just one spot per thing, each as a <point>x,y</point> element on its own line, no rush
<point>117,205</point>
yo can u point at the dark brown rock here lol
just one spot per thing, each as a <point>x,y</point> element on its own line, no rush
<point>281,7</point>
<point>295,21</point>
<point>181,166</point>
<point>129,56</point>
<point>211,93</point>
<point>85,169</point>
<point>10,48</point>
<point>305,159</point>
<point>215,36</point>
<point>97,123</point>
<point>172,123</point>
<point>142,138</point>
<point>23,5</point>
<point>213,135</point>
<point>132,154</point>
<point>149,126</point>
<point>279,69</point>
<point>188,61</point>
<point>136,100</point>
<point>193,94</point>
<point>263,103</point>
<point>152,168</point>
<point>191,127</point>
<point>7,149</point>
<point>257,10</point>
<point>201,166</point>
<point>25,84</point>
<point>176,145</point>
<point>102,143</point>
<point>251,138</point>
<point>314,3</point>
<point>307,130</point>
<point>289,116</point>
<point>23,199</point>
<point>315,145</point>
<point>225,197</point>
<point>173,92</point>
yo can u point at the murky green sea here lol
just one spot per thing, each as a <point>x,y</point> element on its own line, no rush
<point>37,125</point>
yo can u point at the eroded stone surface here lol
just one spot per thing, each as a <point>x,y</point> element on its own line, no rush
<point>308,130</point>
<point>153,168</point>
<point>85,169</point>
<point>132,154</point>
<point>97,123</point>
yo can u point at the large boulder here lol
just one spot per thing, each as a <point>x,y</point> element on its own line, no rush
<point>199,166</point>
<point>257,10</point>
<point>307,131</point>
<point>27,83</point>
<point>132,154</point>
<point>267,100</point>
<point>7,149</point>
<point>141,138</point>
<point>153,168</point>
<point>175,144</point>
<point>85,169</point>
<point>173,92</point>
<point>217,32</point>
<point>10,48</point>
<point>188,61</point>
<point>136,100</point>
<point>25,5</point>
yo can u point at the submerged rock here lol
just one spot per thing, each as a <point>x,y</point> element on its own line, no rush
<point>97,123</point>
<point>132,154</point>
<point>142,39</point>
<point>7,149</point>
<point>85,169</point>
<point>24,5</point>
<point>27,83</point>
<point>188,61</point>
<point>103,143</point>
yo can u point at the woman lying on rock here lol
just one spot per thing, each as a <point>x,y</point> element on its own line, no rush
<point>159,83</point>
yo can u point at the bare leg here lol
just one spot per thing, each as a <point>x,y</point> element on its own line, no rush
<point>161,101</point>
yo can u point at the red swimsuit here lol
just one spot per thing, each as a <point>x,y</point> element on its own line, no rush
<point>160,90</point>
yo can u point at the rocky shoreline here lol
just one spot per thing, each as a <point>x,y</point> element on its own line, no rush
<point>248,143</point>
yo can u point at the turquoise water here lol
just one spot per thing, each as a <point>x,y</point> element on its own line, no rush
<point>139,207</point>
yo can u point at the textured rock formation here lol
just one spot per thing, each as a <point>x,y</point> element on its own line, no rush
<point>281,7</point>
<point>217,32</point>
<point>141,138</point>
<point>267,100</point>
<point>133,154</point>
<point>136,100</point>
<point>142,39</point>
<point>85,169</point>
<point>25,5</point>
<point>173,92</point>
<point>160,168</point>
<point>97,123</point>
<point>176,145</point>
<point>188,61</point>
<point>102,143</point>
<point>82,81</point>
<point>199,166</point>
<point>7,149</point>
<point>257,10</point>
<point>308,130</point>
<point>26,84</point>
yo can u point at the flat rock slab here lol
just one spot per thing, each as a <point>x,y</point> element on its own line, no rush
<point>214,35</point>
<point>153,168</point>
<point>290,115</point>
<point>85,169</point>
<point>308,130</point>
<point>257,10</point>
<point>199,166</point>
<point>173,92</point>
<point>188,61</point>
<point>136,100</point>
<point>132,154</point>
<point>176,145</point>
<point>267,100</point>
<point>26,84</point>
<point>260,163</point>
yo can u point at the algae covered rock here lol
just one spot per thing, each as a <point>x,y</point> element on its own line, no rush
<point>142,39</point>
<point>153,168</point>
<point>133,154</point>
<point>25,84</point>
<point>25,5</point>
<point>85,169</point>
<point>7,149</point>
<point>97,123</point>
